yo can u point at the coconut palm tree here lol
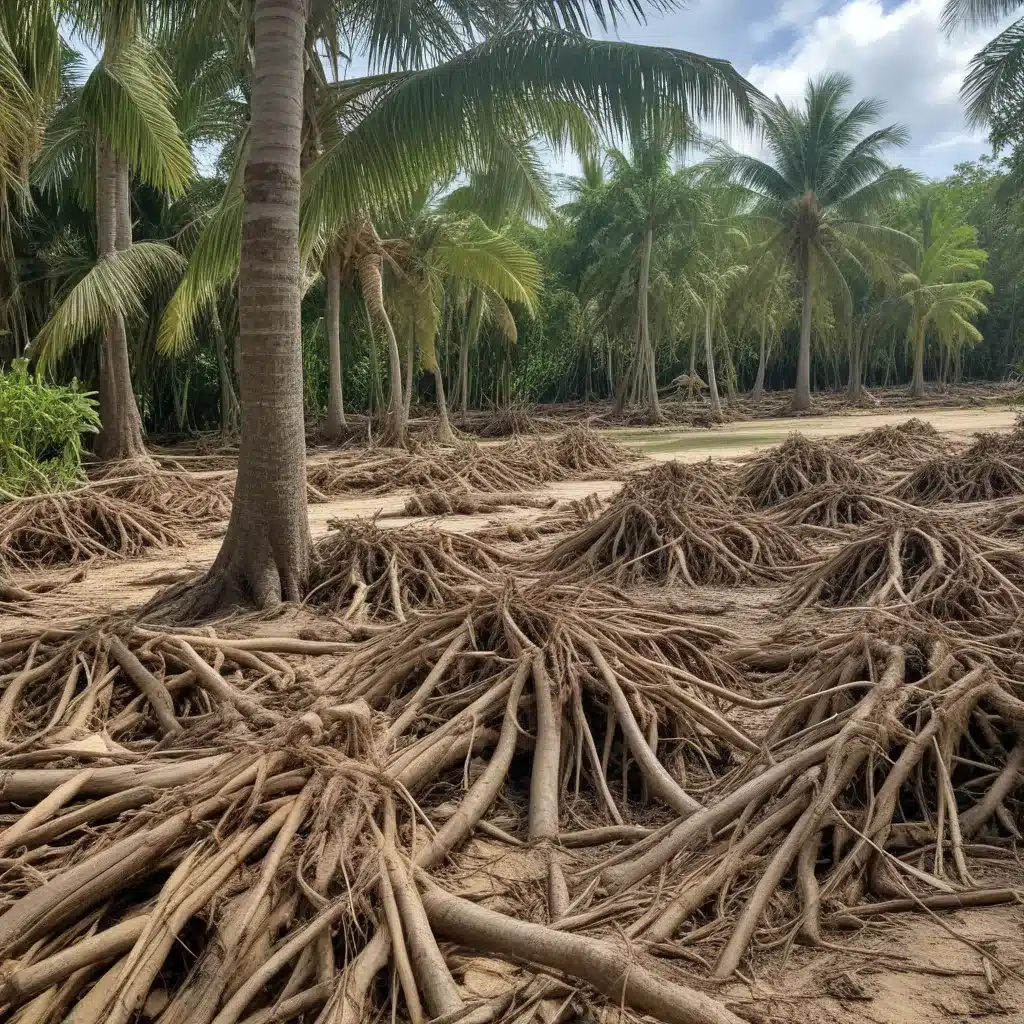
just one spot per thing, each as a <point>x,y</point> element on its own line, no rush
<point>826,177</point>
<point>118,124</point>
<point>415,125</point>
<point>942,292</point>
<point>461,253</point>
<point>996,73</point>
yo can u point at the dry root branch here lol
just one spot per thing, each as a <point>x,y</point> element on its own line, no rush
<point>365,573</point>
<point>570,516</point>
<point>835,506</point>
<point>936,564</point>
<point>179,495</point>
<point>61,529</point>
<point>658,529</point>
<point>797,465</point>
<point>909,441</point>
<point>989,469</point>
<point>446,502</point>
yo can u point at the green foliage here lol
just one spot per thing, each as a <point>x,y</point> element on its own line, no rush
<point>42,427</point>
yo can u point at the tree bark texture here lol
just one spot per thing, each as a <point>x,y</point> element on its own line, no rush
<point>648,373</point>
<point>335,425</point>
<point>120,435</point>
<point>802,394</point>
<point>709,355</point>
<point>469,336</point>
<point>445,432</point>
<point>265,556</point>
<point>855,383</point>
<point>762,363</point>
<point>917,383</point>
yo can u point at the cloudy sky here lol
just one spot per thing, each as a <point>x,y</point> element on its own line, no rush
<point>894,49</point>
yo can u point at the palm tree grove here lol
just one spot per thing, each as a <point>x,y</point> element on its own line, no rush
<point>511,511</point>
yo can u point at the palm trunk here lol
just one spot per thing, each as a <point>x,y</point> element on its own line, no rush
<point>410,356</point>
<point>444,433</point>
<point>468,339</point>
<point>228,398</point>
<point>647,374</point>
<point>626,382</point>
<point>762,363</point>
<point>335,426</point>
<point>709,355</point>
<point>854,386</point>
<point>265,556</point>
<point>802,395</point>
<point>693,354</point>
<point>917,384</point>
<point>120,436</point>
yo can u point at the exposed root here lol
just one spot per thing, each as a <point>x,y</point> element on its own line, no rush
<point>988,469</point>
<point>570,516</point>
<point>936,564</point>
<point>365,573</point>
<point>507,421</point>
<point>443,502</point>
<point>655,530</point>
<point>797,465</point>
<point>178,495</point>
<point>909,441</point>
<point>62,529</point>
<point>835,506</point>
<point>580,450</point>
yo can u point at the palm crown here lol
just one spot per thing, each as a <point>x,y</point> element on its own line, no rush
<point>826,176</point>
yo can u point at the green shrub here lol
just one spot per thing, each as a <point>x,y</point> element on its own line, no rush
<point>42,427</point>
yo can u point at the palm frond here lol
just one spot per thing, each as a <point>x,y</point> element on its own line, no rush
<point>995,74</point>
<point>117,285</point>
<point>973,13</point>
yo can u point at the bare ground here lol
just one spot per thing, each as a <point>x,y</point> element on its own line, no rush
<point>908,969</point>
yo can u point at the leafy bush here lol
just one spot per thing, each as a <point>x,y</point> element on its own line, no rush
<point>42,427</point>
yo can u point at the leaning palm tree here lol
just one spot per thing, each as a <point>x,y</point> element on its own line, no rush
<point>826,177</point>
<point>995,77</point>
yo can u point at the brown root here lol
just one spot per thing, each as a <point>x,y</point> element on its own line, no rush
<point>982,472</point>
<point>935,564</point>
<point>910,441</point>
<point>64,529</point>
<point>797,465</point>
<point>364,572</point>
<point>448,502</point>
<point>180,495</point>
<point>837,506</point>
<point>657,529</point>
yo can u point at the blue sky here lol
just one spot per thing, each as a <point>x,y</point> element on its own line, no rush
<point>894,49</point>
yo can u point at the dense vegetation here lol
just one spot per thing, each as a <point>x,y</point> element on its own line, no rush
<point>497,282</point>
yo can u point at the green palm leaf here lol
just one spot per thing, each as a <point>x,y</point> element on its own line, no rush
<point>114,286</point>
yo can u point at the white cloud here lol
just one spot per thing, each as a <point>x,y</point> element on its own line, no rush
<point>899,55</point>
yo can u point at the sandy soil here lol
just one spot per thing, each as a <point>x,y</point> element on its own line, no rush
<point>911,969</point>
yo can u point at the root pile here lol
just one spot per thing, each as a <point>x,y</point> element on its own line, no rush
<point>178,495</point>
<point>62,529</point>
<point>935,564</point>
<point>440,502</point>
<point>365,573</point>
<point>835,506</point>
<point>989,469</point>
<point>656,530</point>
<point>797,465</point>
<point>909,441</point>
<point>269,856</point>
<point>581,450</point>
<point>507,422</point>
<point>570,516</point>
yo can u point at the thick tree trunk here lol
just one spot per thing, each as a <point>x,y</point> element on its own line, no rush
<point>335,425</point>
<point>709,355</point>
<point>647,374</point>
<point>762,363</point>
<point>265,556</point>
<point>917,383</point>
<point>802,394</point>
<point>396,405</point>
<point>468,339</point>
<point>444,433</point>
<point>120,436</point>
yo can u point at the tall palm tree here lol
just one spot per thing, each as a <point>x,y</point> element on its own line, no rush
<point>996,73</point>
<point>416,124</point>
<point>119,123</point>
<point>826,177</point>
<point>943,291</point>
